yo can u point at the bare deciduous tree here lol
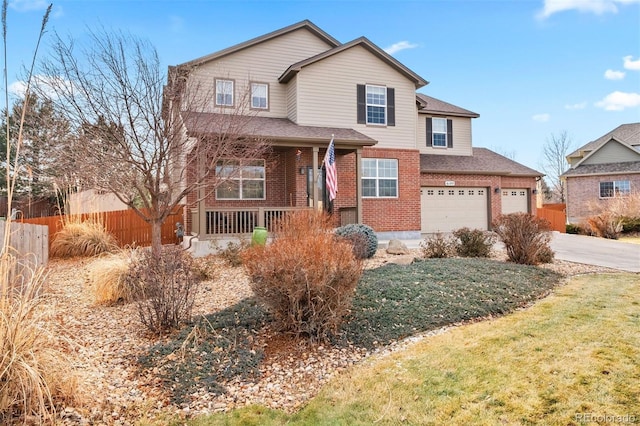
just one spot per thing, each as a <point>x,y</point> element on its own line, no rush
<point>554,153</point>
<point>130,115</point>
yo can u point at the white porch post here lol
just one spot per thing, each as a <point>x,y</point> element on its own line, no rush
<point>316,150</point>
<point>359,184</point>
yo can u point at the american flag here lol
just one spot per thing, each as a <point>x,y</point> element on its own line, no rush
<point>331,171</point>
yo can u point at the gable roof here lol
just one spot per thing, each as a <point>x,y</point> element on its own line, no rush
<point>628,134</point>
<point>278,129</point>
<point>261,39</point>
<point>482,162</point>
<point>363,42</point>
<point>429,105</point>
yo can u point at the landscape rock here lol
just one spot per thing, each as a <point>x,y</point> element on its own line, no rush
<point>397,247</point>
<point>403,260</point>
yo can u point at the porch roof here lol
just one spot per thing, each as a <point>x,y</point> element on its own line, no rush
<point>276,129</point>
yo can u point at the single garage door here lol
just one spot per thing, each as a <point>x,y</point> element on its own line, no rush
<point>515,200</point>
<point>445,209</point>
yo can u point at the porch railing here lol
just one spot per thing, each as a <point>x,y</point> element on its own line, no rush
<point>237,221</point>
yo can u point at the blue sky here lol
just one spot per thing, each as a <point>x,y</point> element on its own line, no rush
<point>532,68</point>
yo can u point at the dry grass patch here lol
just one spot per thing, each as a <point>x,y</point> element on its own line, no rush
<point>88,238</point>
<point>106,276</point>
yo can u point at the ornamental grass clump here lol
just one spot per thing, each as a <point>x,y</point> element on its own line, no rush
<point>525,237</point>
<point>107,279</point>
<point>82,238</point>
<point>306,277</point>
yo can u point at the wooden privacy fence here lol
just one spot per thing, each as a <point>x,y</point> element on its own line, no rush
<point>555,214</point>
<point>30,242</point>
<point>125,225</point>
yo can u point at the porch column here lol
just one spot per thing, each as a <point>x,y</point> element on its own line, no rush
<point>202,214</point>
<point>316,150</point>
<point>359,184</point>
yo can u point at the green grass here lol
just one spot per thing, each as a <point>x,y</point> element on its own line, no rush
<point>575,353</point>
<point>391,303</point>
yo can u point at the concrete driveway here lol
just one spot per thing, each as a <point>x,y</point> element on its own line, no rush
<point>596,251</point>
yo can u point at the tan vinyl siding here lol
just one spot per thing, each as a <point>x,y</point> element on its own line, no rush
<point>264,62</point>
<point>328,88</point>
<point>461,137</point>
<point>612,152</point>
<point>292,101</point>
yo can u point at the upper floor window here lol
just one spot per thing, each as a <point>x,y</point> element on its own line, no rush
<point>379,177</point>
<point>241,180</point>
<point>616,188</point>
<point>439,132</point>
<point>224,92</point>
<point>260,95</point>
<point>376,105</point>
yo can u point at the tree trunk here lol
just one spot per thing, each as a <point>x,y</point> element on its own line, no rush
<point>156,238</point>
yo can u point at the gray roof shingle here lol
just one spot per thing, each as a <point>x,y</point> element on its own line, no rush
<point>604,169</point>
<point>281,129</point>
<point>483,161</point>
<point>429,105</point>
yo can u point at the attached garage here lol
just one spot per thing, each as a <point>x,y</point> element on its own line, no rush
<point>515,200</point>
<point>445,209</point>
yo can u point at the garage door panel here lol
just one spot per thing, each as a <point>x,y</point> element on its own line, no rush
<point>444,209</point>
<point>515,200</point>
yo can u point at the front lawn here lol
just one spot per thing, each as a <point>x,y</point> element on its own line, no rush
<point>573,358</point>
<point>391,302</point>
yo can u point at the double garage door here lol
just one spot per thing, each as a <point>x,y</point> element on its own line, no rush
<point>445,209</point>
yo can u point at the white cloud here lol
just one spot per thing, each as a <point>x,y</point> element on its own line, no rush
<point>598,7</point>
<point>541,118</point>
<point>618,101</point>
<point>571,107</point>
<point>630,64</point>
<point>18,88</point>
<point>614,75</point>
<point>401,45</point>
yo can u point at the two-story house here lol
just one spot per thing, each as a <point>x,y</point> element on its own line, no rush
<point>405,161</point>
<point>602,170</point>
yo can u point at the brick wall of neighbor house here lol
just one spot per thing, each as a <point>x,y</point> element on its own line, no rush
<point>396,214</point>
<point>583,195</point>
<point>482,181</point>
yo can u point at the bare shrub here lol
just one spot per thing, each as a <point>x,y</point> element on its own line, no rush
<point>606,225</point>
<point>525,237</point>
<point>306,277</point>
<point>87,238</point>
<point>107,279</point>
<point>438,246</point>
<point>473,242</point>
<point>34,376</point>
<point>232,253</point>
<point>168,284</point>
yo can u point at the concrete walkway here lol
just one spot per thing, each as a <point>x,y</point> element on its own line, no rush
<point>582,249</point>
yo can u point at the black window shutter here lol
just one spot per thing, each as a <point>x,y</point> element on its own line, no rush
<point>429,132</point>
<point>449,133</point>
<point>391,106</point>
<point>362,106</point>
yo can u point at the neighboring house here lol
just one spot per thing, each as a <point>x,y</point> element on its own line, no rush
<point>405,161</point>
<point>602,170</point>
<point>92,201</point>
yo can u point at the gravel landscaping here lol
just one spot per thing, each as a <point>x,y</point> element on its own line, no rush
<point>105,344</point>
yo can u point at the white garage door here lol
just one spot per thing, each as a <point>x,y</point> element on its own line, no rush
<point>515,200</point>
<point>445,209</point>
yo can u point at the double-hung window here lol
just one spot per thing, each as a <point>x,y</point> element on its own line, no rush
<point>241,180</point>
<point>439,129</point>
<point>376,104</point>
<point>224,92</point>
<point>379,177</point>
<point>616,188</point>
<point>259,95</point>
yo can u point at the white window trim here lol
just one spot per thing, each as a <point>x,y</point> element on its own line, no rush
<point>367,105</point>
<point>378,178</point>
<point>240,179</point>
<point>223,80</point>
<point>266,86</point>
<point>616,184</point>
<point>434,132</point>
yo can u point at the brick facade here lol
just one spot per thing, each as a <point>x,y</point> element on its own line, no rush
<point>583,194</point>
